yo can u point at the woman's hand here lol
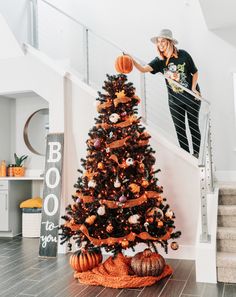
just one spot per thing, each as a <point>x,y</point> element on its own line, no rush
<point>195,91</point>
<point>141,68</point>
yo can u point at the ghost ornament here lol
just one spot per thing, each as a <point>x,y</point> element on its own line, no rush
<point>134,219</point>
<point>101,210</point>
<point>169,213</point>
<point>92,183</point>
<point>114,118</point>
<point>117,183</point>
<point>129,161</point>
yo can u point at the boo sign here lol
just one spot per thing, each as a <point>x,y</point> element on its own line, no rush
<point>51,195</point>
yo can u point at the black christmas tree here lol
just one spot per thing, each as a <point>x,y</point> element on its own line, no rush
<point>118,203</point>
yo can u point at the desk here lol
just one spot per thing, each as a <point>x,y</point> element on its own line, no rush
<point>13,190</point>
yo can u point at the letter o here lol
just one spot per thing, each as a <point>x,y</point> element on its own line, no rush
<point>45,205</point>
<point>53,169</point>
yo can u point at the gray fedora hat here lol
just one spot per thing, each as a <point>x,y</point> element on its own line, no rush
<point>164,33</point>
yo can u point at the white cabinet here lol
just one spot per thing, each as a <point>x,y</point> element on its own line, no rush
<point>4,217</point>
<point>12,193</point>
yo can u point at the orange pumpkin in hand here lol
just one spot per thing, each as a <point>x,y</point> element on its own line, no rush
<point>124,64</point>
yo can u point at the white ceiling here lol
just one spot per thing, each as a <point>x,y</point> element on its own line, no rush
<point>27,94</point>
<point>219,13</point>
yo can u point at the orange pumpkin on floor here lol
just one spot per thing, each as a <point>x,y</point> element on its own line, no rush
<point>124,64</point>
<point>148,263</point>
<point>84,260</point>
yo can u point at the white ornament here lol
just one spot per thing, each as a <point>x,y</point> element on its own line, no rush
<point>146,224</point>
<point>101,210</point>
<point>134,219</point>
<point>92,183</point>
<point>129,161</point>
<point>114,118</point>
<point>108,150</point>
<point>111,134</point>
<point>83,244</point>
<point>117,183</point>
<point>169,213</point>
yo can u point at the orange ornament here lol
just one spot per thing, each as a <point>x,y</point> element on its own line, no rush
<point>124,243</point>
<point>124,64</point>
<point>145,183</point>
<point>160,224</point>
<point>100,165</point>
<point>90,220</point>
<point>109,228</point>
<point>134,188</point>
<point>141,167</point>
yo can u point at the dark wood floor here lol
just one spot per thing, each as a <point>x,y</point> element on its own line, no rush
<point>23,274</point>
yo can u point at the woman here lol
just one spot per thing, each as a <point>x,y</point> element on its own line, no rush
<point>179,66</point>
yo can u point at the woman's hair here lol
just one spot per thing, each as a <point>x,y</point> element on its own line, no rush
<point>171,51</point>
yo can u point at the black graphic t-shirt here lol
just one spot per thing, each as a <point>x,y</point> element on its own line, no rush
<point>181,70</point>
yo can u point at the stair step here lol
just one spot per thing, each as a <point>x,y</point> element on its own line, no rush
<point>226,267</point>
<point>226,275</point>
<point>227,260</point>
<point>226,221</point>
<point>227,190</point>
<point>227,199</point>
<point>226,245</point>
<point>228,233</point>
<point>226,216</point>
<point>227,210</point>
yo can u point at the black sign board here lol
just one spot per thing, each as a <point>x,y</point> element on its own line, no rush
<point>51,195</point>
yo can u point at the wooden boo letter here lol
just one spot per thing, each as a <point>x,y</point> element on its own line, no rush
<point>51,195</point>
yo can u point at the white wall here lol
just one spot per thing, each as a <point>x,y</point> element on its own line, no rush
<point>130,24</point>
<point>16,15</point>
<point>5,129</point>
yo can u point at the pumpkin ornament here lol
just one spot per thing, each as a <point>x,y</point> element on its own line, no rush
<point>124,64</point>
<point>148,263</point>
<point>174,245</point>
<point>84,260</point>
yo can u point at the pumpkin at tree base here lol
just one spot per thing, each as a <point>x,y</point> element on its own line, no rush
<point>117,273</point>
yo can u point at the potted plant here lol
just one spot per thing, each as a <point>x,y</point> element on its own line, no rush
<point>19,170</point>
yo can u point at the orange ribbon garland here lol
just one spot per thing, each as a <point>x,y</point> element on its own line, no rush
<point>89,174</point>
<point>121,100</point>
<point>111,240</point>
<point>114,158</point>
<point>129,203</point>
<point>104,105</point>
<point>132,202</point>
<point>117,143</point>
<point>143,142</point>
<point>116,101</point>
<point>124,124</point>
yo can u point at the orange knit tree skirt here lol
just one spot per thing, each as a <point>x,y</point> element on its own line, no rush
<point>116,273</point>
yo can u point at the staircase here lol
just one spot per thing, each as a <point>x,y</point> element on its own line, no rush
<point>226,235</point>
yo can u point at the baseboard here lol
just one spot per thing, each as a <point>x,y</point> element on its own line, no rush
<point>186,252</point>
<point>229,176</point>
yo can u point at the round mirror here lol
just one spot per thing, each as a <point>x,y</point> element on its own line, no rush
<point>36,130</point>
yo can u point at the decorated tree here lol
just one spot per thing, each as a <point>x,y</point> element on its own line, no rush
<point>118,202</point>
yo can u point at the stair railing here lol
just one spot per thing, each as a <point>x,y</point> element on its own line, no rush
<point>205,162</point>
